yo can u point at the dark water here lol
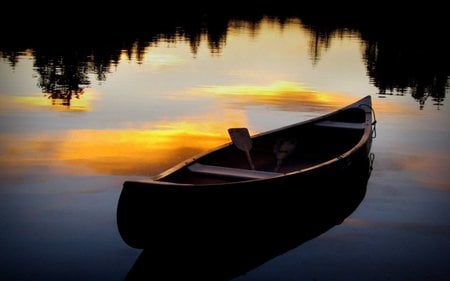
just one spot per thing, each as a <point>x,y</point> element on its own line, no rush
<point>82,111</point>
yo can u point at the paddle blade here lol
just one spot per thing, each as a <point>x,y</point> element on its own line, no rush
<point>241,138</point>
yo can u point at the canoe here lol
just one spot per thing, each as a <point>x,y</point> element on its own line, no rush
<point>254,187</point>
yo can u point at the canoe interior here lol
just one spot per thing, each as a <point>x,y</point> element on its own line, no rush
<point>314,145</point>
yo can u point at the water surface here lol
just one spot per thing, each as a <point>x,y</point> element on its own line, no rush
<point>78,120</point>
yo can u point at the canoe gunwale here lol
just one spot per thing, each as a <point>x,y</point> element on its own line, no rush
<point>363,104</point>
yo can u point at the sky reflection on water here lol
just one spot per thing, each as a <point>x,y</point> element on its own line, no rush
<point>154,105</point>
<point>63,163</point>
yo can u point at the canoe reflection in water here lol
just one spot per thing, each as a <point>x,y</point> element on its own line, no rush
<point>199,253</point>
<point>220,214</point>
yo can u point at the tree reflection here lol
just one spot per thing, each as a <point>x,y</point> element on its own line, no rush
<point>62,76</point>
<point>408,59</point>
<point>402,55</point>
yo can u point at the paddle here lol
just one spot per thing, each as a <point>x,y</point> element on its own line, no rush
<point>241,139</point>
<point>282,149</point>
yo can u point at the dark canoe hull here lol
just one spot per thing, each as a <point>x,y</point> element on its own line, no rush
<point>275,206</point>
<point>253,213</point>
<point>231,235</point>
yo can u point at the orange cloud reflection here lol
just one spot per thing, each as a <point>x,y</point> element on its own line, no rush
<point>290,96</point>
<point>134,152</point>
<point>81,104</point>
<point>145,151</point>
<point>293,96</point>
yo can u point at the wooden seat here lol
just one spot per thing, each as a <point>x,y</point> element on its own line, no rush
<point>230,172</point>
<point>345,125</point>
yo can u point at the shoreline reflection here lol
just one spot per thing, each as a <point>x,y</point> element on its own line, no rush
<point>399,58</point>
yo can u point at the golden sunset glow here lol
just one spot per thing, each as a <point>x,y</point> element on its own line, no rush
<point>276,88</point>
<point>37,101</point>
<point>134,152</point>
<point>144,151</point>
<point>286,94</point>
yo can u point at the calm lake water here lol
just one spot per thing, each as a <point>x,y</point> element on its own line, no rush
<point>77,120</point>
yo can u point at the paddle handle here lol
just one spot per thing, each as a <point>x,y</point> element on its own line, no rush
<point>277,167</point>
<point>250,161</point>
